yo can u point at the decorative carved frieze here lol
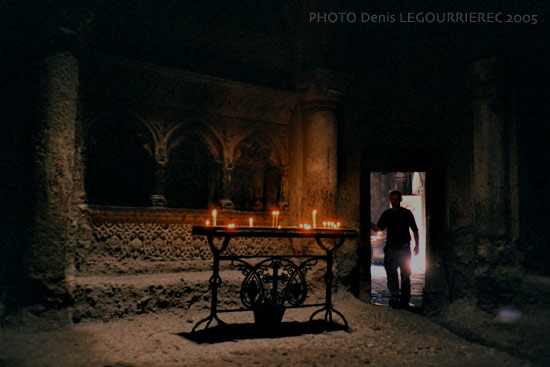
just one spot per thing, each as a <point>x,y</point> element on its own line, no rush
<point>144,239</point>
<point>155,242</point>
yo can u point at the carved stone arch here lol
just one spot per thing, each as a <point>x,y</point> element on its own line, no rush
<point>166,131</point>
<point>118,169</point>
<point>211,137</point>
<point>192,173</point>
<point>255,149</point>
<point>257,175</point>
<point>277,139</point>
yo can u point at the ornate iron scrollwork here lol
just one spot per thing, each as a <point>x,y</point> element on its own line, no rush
<point>274,281</point>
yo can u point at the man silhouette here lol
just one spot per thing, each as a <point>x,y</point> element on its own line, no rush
<point>397,252</point>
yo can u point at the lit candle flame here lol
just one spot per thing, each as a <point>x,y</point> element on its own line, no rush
<point>214,215</point>
<point>207,222</point>
<point>275,219</point>
<point>231,225</point>
<point>251,222</point>
<point>314,213</point>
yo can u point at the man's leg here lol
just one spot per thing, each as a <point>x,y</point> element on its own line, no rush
<point>391,262</point>
<point>405,268</point>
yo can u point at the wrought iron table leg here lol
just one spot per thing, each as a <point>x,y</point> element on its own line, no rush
<point>215,281</point>
<point>329,276</point>
<point>208,321</point>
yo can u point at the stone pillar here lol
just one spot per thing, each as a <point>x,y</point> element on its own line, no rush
<point>283,196</point>
<point>319,123</point>
<point>158,200</point>
<point>52,185</point>
<point>495,171</point>
<point>227,170</point>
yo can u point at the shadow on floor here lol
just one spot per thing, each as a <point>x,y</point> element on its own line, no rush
<point>230,332</point>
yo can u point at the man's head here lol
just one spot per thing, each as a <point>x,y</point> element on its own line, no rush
<point>395,198</point>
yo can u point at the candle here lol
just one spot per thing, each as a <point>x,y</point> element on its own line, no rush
<point>275,219</point>
<point>231,225</point>
<point>324,224</point>
<point>337,225</point>
<point>314,220</point>
<point>307,226</point>
<point>250,222</point>
<point>214,214</point>
<point>301,225</point>
<point>207,222</point>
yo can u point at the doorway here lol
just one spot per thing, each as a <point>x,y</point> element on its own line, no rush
<point>412,185</point>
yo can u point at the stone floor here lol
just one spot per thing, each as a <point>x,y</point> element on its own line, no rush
<point>378,336</point>
<point>380,294</point>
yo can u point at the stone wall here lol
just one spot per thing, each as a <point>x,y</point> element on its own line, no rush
<point>475,280</point>
<point>140,240</point>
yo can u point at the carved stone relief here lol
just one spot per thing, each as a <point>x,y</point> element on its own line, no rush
<point>158,247</point>
<point>240,126</point>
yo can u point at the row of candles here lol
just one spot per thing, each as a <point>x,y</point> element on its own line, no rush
<point>275,221</point>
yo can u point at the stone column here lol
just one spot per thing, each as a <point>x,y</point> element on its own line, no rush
<point>158,200</point>
<point>495,166</point>
<point>283,196</point>
<point>319,123</point>
<point>52,184</point>
<point>227,171</point>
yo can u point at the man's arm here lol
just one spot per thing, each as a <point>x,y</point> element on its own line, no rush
<point>381,225</point>
<point>416,249</point>
<point>414,228</point>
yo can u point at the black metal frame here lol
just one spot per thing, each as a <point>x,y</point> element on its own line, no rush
<point>255,291</point>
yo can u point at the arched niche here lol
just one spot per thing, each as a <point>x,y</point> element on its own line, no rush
<point>256,175</point>
<point>191,173</point>
<point>119,169</point>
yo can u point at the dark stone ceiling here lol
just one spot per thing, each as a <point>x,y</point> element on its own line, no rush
<point>270,42</point>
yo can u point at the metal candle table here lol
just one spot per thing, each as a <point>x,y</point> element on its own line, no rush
<point>276,282</point>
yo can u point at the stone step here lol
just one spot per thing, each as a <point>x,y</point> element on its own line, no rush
<point>109,296</point>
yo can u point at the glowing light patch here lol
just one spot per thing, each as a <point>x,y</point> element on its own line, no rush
<point>508,316</point>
